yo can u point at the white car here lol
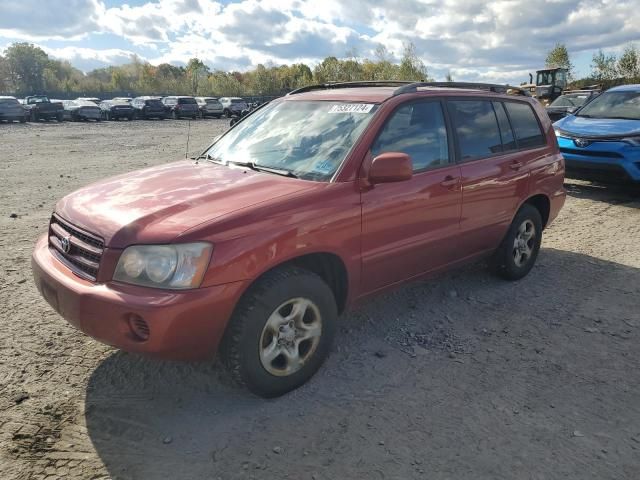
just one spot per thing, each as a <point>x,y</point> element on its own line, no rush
<point>232,106</point>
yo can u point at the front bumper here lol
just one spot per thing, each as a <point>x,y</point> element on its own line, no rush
<point>183,325</point>
<point>609,160</point>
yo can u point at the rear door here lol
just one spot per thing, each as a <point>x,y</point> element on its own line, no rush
<point>494,167</point>
<point>411,227</point>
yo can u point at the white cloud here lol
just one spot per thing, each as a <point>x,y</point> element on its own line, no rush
<point>500,40</point>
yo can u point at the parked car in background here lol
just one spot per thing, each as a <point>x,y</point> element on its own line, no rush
<point>95,100</point>
<point>209,107</point>
<point>569,103</point>
<point>12,110</point>
<point>602,140</point>
<point>148,107</point>
<point>116,110</point>
<point>41,108</point>
<point>181,107</point>
<point>76,110</point>
<point>232,106</point>
<point>122,99</point>
<point>315,201</point>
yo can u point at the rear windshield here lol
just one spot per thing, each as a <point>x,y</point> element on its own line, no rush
<point>153,103</point>
<point>9,101</point>
<point>209,101</point>
<point>237,100</point>
<point>569,101</point>
<point>309,139</point>
<point>622,105</point>
<point>38,100</point>
<point>187,101</point>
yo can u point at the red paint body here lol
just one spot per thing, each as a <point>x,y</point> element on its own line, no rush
<point>384,234</point>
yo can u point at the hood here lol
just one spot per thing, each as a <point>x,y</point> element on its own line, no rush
<point>598,127</point>
<point>157,204</point>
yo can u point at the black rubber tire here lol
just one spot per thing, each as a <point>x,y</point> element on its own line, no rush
<point>239,350</point>
<point>23,119</point>
<point>174,115</point>
<point>227,113</point>
<point>60,117</point>
<point>502,262</point>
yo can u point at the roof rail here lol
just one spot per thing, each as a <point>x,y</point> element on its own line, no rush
<point>329,86</point>
<point>491,87</point>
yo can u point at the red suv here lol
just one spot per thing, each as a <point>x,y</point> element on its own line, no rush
<point>311,203</point>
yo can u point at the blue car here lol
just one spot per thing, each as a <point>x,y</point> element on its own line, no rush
<point>602,140</point>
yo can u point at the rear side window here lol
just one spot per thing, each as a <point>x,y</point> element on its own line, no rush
<point>476,126</point>
<point>417,129</point>
<point>525,125</point>
<point>508,141</point>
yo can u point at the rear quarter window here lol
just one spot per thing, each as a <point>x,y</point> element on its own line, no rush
<point>525,125</point>
<point>476,127</point>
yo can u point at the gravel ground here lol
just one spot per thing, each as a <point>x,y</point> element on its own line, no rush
<point>461,377</point>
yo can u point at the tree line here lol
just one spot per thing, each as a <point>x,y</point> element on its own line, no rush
<point>27,69</point>
<point>607,70</point>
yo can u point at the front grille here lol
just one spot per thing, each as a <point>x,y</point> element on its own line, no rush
<point>79,250</point>
<point>591,153</point>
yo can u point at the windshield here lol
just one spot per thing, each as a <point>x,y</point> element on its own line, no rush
<point>154,103</point>
<point>623,105</point>
<point>569,101</point>
<point>211,101</point>
<point>9,101</point>
<point>307,138</point>
<point>187,101</point>
<point>237,100</point>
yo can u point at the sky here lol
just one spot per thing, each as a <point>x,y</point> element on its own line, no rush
<point>476,40</point>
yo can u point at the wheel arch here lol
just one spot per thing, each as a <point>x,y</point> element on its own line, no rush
<point>542,203</point>
<point>330,267</point>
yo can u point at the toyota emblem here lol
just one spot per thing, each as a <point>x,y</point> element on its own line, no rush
<point>65,243</point>
<point>581,142</point>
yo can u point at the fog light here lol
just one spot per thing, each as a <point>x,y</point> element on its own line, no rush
<point>139,328</point>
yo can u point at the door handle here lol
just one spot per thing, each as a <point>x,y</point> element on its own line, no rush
<point>516,165</point>
<point>449,181</point>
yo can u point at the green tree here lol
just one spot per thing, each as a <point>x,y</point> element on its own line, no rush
<point>196,71</point>
<point>25,65</point>
<point>629,63</point>
<point>558,57</point>
<point>603,67</point>
<point>411,67</point>
<point>449,77</point>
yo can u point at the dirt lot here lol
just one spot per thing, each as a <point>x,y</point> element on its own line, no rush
<point>462,377</point>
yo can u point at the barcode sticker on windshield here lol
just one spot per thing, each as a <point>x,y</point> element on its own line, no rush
<point>351,108</point>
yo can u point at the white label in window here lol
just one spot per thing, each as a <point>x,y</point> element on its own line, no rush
<point>351,108</point>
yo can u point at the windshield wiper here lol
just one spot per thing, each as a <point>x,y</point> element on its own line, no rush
<point>263,168</point>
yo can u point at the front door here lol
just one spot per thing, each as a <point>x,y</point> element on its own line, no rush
<point>411,227</point>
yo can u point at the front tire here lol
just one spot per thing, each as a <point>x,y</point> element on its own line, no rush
<point>281,332</point>
<point>519,249</point>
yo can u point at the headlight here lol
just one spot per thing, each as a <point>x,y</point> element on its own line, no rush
<point>558,133</point>
<point>177,266</point>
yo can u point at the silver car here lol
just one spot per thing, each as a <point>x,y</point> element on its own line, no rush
<point>76,110</point>
<point>209,107</point>
<point>233,106</point>
<point>11,109</point>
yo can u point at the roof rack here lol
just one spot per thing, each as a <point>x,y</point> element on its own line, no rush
<point>329,86</point>
<point>491,87</point>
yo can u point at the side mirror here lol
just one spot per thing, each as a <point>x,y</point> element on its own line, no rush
<point>391,167</point>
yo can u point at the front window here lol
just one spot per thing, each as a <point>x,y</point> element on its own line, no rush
<point>309,139</point>
<point>621,104</point>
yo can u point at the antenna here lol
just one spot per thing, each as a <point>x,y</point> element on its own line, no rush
<point>186,152</point>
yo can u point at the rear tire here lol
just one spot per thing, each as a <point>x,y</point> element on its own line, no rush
<point>280,332</point>
<point>519,249</point>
